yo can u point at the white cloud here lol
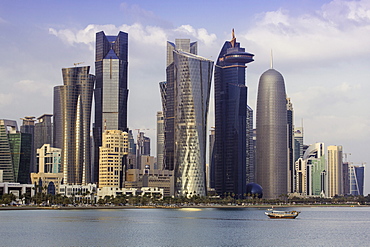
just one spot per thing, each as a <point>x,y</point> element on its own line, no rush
<point>31,87</point>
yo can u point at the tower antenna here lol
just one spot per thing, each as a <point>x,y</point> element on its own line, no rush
<point>271,60</point>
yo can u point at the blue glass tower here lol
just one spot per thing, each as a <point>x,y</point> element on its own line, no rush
<point>111,93</point>
<point>230,146</point>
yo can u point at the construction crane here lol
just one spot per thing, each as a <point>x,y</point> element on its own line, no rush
<point>75,64</point>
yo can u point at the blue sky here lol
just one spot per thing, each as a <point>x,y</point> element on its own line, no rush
<point>321,48</point>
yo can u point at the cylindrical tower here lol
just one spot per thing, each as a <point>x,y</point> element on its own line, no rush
<point>272,135</point>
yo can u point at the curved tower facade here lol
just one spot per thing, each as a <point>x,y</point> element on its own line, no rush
<point>230,147</point>
<point>74,102</point>
<point>272,146</point>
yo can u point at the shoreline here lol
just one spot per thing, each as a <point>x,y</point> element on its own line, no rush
<point>170,207</point>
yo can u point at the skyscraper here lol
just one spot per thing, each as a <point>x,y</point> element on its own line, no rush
<point>356,179</point>
<point>43,131</point>
<point>15,152</point>
<point>72,114</point>
<point>334,171</point>
<point>167,89</point>
<point>28,126</point>
<point>111,93</point>
<point>290,132</point>
<point>231,119</point>
<point>160,140</point>
<point>112,153</point>
<point>272,160</point>
<point>185,104</point>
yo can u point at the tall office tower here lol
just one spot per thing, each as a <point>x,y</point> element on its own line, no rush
<point>356,180</point>
<point>168,98</point>
<point>186,101</point>
<point>160,140</point>
<point>290,130</point>
<point>28,126</point>
<point>250,160</point>
<point>211,170</point>
<point>334,171</point>
<point>72,114</point>
<point>43,131</point>
<point>272,155</point>
<point>112,158</point>
<point>345,178</point>
<point>311,171</point>
<point>231,119</point>
<point>142,148</point>
<point>298,143</point>
<point>111,93</point>
<point>15,152</point>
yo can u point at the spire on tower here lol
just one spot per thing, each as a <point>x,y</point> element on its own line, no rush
<point>271,61</point>
<point>233,39</point>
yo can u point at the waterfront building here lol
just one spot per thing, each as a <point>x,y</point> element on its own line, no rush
<point>231,119</point>
<point>112,158</point>
<point>79,193</point>
<point>111,92</point>
<point>334,171</point>
<point>356,179</point>
<point>49,171</point>
<point>271,125</point>
<point>154,178</point>
<point>185,96</point>
<point>160,140</point>
<point>72,114</point>
<point>19,190</point>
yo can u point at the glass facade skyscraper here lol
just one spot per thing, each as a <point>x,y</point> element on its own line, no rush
<point>15,152</point>
<point>72,114</point>
<point>111,93</point>
<point>185,98</point>
<point>230,148</point>
<point>271,125</point>
<point>168,98</point>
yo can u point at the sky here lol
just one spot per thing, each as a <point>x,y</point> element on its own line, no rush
<point>320,47</point>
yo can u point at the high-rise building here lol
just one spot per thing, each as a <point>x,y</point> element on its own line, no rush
<point>72,114</point>
<point>111,93</point>
<point>356,179</point>
<point>298,143</point>
<point>250,161</point>
<point>167,89</point>
<point>112,158</point>
<point>211,167</point>
<point>334,171</point>
<point>271,125</point>
<point>311,171</point>
<point>290,140</point>
<point>231,119</point>
<point>43,131</point>
<point>142,148</point>
<point>28,126</point>
<point>186,100</point>
<point>160,141</point>
<point>15,153</point>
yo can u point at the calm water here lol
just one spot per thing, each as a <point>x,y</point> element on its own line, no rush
<point>329,226</point>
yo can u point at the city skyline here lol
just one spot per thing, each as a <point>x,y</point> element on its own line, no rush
<point>319,47</point>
